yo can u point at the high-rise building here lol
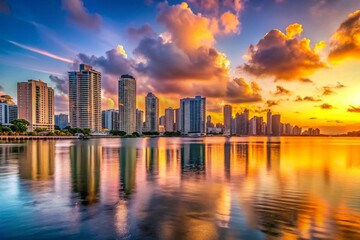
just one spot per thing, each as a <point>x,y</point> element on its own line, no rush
<point>288,129</point>
<point>62,120</point>
<point>8,110</point>
<point>227,112</point>
<point>242,123</point>
<point>151,113</point>
<point>269,123</point>
<point>276,125</point>
<point>127,104</point>
<point>36,104</point>
<point>169,120</point>
<point>110,119</point>
<point>209,124</point>
<point>85,98</point>
<point>296,131</point>
<point>162,120</point>
<point>139,121</point>
<point>177,120</point>
<point>256,126</point>
<point>193,112</point>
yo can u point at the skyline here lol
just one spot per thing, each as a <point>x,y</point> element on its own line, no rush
<point>177,50</point>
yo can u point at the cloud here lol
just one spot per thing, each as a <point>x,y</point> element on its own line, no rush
<point>329,90</point>
<point>167,62</point>
<point>181,61</point>
<point>42,52</point>
<point>283,56</point>
<point>345,42</point>
<point>143,31</point>
<point>306,80</point>
<point>188,30</point>
<point>79,14</point>
<point>354,109</point>
<point>281,91</point>
<point>240,91</point>
<point>326,106</point>
<point>1,88</point>
<point>270,103</point>
<point>213,7</point>
<point>230,23</point>
<point>4,7</point>
<point>61,103</point>
<point>113,64</point>
<point>307,99</point>
<point>335,121</point>
<point>321,7</point>
<point>313,118</point>
<point>60,83</point>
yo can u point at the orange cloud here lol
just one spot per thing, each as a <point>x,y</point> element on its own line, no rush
<point>240,91</point>
<point>283,56</point>
<point>326,106</point>
<point>354,109</point>
<point>345,42</point>
<point>281,91</point>
<point>188,30</point>
<point>230,23</point>
<point>294,30</point>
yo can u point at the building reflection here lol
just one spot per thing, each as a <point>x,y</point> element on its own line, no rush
<point>152,157</point>
<point>7,151</point>
<point>272,156</point>
<point>86,161</point>
<point>37,160</point>
<point>127,170</point>
<point>227,159</point>
<point>193,158</point>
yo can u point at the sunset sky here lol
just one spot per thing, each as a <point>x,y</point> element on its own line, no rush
<point>300,58</point>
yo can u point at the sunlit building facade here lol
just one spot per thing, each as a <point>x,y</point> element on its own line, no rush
<point>127,103</point>
<point>85,98</point>
<point>36,104</point>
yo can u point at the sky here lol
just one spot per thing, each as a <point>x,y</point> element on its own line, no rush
<point>298,58</point>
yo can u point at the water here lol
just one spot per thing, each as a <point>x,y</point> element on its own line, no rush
<point>181,188</point>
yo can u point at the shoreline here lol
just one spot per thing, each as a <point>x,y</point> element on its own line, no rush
<point>117,137</point>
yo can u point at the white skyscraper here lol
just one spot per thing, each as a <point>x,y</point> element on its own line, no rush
<point>127,104</point>
<point>193,115</point>
<point>85,98</point>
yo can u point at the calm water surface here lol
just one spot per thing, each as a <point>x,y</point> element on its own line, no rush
<point>181,188</point>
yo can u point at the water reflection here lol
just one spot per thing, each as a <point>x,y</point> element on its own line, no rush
<point>37,160</point>
<point>86,162</point>
<point>172,188</point>
<point>127,168</point>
